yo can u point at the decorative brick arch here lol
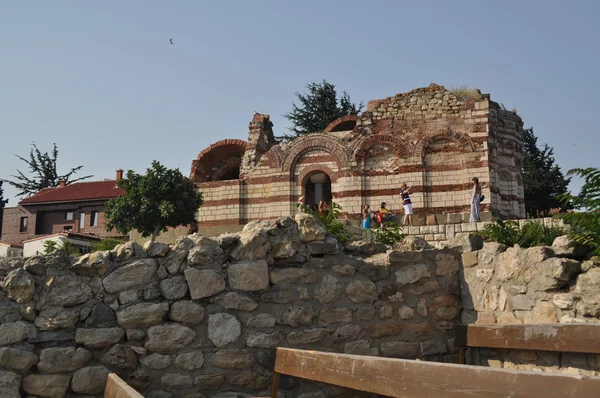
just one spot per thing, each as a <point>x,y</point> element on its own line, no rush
<point>400,149</point>
<point>316,141</point>
<point>215,154</point>
<point>461,140</point>
<point>341,124</point>
<point>274,157</point>
<point>309,170</point>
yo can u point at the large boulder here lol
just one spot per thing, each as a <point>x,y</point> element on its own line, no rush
<point>92,264</point>
<point>19,286</point>
<point>142,315</point>
<point>39,265</point>
<point>64,291</point>
<point>63,360</point>
<point>90,380</point>
<point>249,276</point>
<point>168,338</point>
<point>466,243</point>
<point>17,359</point>
<point>254,243</point>
<point>52,386</point>
<point>554,273</point>
<point>565,247</point>
<point>156,249</point>
<point>16,332</point>
<point>179,252</point>
<point>204,283</point>
<point>205,252</point>
<point>223,329</point>
<point>137,273</point>
<point>310,229</point>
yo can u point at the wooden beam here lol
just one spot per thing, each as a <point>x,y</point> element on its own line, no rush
<point>419,379</point>
<point>544,337</point>
<point>117,388</point>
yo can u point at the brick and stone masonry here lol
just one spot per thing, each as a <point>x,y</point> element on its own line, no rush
<point>428,138</point>
<point>202,317</point>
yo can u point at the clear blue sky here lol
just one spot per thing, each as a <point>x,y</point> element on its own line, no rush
<point>100,79</point>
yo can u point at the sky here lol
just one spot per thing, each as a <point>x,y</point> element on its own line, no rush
<point>100,79</point>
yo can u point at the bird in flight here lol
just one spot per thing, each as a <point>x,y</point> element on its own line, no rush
<point>171,41</point>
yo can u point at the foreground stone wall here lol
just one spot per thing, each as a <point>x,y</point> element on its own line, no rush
<point>202,317</point>
<point>513,285</point>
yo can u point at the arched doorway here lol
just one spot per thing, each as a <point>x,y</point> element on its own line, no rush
<point>317,188</point>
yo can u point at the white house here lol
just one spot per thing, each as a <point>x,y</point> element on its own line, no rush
<point>35,246</point>
<point>11,249</point>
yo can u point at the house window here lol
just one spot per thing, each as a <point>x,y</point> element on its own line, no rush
<point>82,221</point>
<point>69,216</point>
<point>94,219</point>
<point>68,228</point>
<point>23,224</point>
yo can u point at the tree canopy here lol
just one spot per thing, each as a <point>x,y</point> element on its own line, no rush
<point>542,178</point>
<point>152,202</point>
<point>585,225</point>
<point>319,107</point>
<point>43,170</point>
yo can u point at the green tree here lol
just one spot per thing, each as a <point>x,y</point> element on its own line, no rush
<point>318,108</point>
<point>152,202</point>
<point>3,203</point>
<point>43,167</point>
<point>585,225</point>
<point>542,178</point>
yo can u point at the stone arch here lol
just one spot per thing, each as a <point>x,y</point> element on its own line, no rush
<point>311,169</point>
<point>316,141</point>
<point>367,143</point>
<point>461,140</point>
<point>220,161</point>
<point>344,123</point>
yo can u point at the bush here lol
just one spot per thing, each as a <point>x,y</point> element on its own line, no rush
<point>51,246</point>
<point>330,221</point>
<point>585,225</point>
<point>391,234</point>
<point>106,244</point>
<point>531,234</point>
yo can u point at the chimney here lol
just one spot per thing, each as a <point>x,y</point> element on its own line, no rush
<point>119,174</point>
<point>62,183</point>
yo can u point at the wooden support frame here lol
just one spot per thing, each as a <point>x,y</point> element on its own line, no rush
<point>543,337</point>
<point>117,388</point>
<point>419,379</point>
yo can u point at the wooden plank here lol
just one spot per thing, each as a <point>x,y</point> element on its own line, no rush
<point>544,337</point>
<point>419,379</point>
<point>275,385</point>
<point>117,388</point>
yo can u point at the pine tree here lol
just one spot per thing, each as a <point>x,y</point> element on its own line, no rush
<point>43,167</point>
<point>542,178</point>
<point>318,108</point>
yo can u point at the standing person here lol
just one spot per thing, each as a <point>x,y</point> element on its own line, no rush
<point>323,208</point>
<point>384,215</point>
<point>301,205</point>
<point>366,219</point>
<point>407,204</point>
<point>475,200</point>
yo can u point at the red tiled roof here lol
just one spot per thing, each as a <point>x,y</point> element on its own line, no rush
<point>76,192</point>
<point>11,244</point>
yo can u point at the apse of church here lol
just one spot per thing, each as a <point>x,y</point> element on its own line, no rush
<point>429,138</point>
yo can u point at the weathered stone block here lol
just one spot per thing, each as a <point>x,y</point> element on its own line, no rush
<point>223,329</point>
<point>53,386</point>
<point>412,274</point>
<point>250,276</point>
<point>232,359</point>
<point>361,291</point>
<point>186,312</point>
<point>174,288</point>
<point>261,321</point>
<point>330,316</point>
<point>168,338</point>
<point>63,360</point>
<point>329,290</point>
<point>138,273</point>
<point>9,384</point>
<point>307,336</point>
<point>19,285</point>
<point>98,338</point>
<point>292,275</point>
<point>264,340</point>
<point>470,259</point>
<point>17,359</point>
<point>346,332</point>
<point>190,360</point>
<point>399,349</point>
<point>142,315</point>
<point>236,301</point>
<point>204,283</point>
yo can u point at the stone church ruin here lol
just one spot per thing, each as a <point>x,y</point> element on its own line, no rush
<point>429,138</point>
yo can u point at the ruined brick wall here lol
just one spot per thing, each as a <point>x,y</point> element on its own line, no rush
<point>428,138</point>
<point>204,315</point>
<point>539,285</point>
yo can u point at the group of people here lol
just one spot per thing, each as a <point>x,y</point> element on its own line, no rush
<point>384,215</point>
<point>322,208</point>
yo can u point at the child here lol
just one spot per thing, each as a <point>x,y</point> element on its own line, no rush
<point>407,204</point>
<point>384,215</point>
<point>366,219</point>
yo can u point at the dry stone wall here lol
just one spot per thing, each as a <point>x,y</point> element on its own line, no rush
<point>202,317</point>
<point>539,285</point>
